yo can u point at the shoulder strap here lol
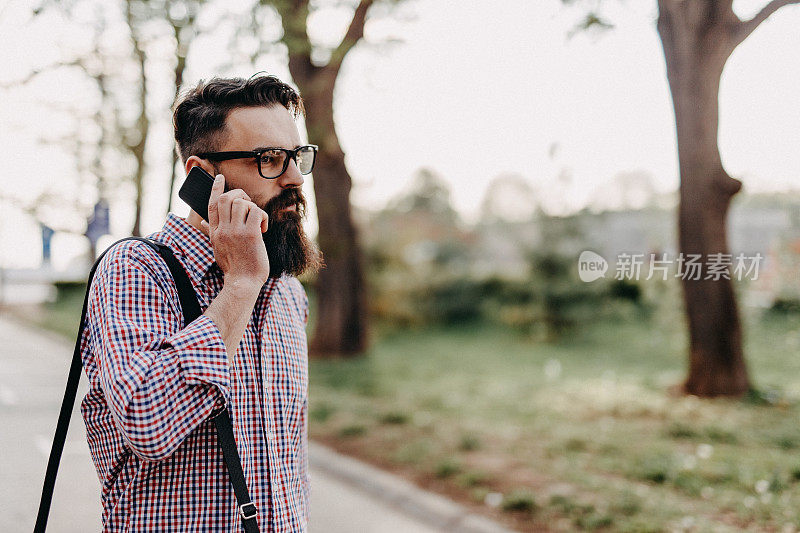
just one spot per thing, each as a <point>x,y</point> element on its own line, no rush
<point>66,407</point>
<point>191,310</point>
<point>227,443</point>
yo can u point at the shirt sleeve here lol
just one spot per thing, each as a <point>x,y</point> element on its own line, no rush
<point>305,305</point>
<point>160,380</point>
<point>305,476</point>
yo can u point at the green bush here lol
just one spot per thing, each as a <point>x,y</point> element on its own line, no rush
<point>321,413</point>
<point>624,289</point>
<point>474,479</point>
<point>547,303</point>
<point>519,500</point>
<point>723,436</point>
<point>594,521</point>
<point>627,504</point>
<point>680,430</point>
<point>449,302</point>
<point>689,482</point>
<point>785,306</point>
<point>353,430</point>
<point>447,468</point>
<point>655,469</point>
<point>468,443</point>
<point>394,417</point>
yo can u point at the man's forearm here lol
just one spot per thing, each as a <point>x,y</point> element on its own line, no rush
<point>231,311</point>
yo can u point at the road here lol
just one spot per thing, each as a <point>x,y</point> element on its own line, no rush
<point>33,370</point>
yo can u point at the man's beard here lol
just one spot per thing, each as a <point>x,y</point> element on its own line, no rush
<point>289,249</point>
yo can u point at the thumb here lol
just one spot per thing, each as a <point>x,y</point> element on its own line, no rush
<point>264,221</point>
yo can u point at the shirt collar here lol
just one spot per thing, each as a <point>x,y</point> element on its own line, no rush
<point>191,244</point>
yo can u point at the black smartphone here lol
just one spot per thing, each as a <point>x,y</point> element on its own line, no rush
<point>196,191</point>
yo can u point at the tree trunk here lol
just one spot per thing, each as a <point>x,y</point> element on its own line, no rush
<point>341,300</point>
<point>138,148</point>
<point>341,328</point>
<point>180,68</point>
<point>138,142</point>
<point>697,42</point>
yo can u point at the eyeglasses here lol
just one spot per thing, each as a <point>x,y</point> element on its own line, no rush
<point>272,162</point>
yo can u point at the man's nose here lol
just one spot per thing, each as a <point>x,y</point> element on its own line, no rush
<point>292,176</point>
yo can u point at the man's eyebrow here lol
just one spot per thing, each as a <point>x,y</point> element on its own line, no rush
<point>269,147</point>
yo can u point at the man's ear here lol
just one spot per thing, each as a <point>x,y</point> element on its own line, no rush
<point>195,161</point>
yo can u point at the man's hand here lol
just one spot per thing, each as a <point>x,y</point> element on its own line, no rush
<point>235,227</point>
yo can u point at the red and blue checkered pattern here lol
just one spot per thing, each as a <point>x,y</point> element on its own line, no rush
<point>155,386</point>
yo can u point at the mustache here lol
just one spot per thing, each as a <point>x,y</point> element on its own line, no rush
<point>292,196</point>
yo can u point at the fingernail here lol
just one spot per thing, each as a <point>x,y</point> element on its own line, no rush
<point>218,178</point>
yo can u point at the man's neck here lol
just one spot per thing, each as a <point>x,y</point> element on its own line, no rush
<point>194,220</point>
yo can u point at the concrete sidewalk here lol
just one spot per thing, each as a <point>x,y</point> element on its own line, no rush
<point>346,495</point>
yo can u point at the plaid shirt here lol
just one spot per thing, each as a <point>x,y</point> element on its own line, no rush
<point>155,386</point>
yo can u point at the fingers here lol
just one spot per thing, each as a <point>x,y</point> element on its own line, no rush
<point>242,210</point>
<point>257,218</point>
<point>239,209</point>
<point>216,191</point>
<point>227,211</point>
<point>224,209</point>
<point>264,221</point>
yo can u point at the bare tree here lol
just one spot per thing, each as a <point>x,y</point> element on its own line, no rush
<point>135,138</point>
<point>131,138</point>
<point>145,21</point>
<point>342,326</point>
<point>89,153</point>
<point>181,15</point>
<point>698,37</point>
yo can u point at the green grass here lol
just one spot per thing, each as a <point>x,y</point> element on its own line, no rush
<point>591,415</point>
<point>61,316</point>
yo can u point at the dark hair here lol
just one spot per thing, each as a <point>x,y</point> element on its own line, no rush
<point>199,116</point>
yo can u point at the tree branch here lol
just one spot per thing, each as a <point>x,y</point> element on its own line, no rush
<point>749,26</point>
<point>32,74</point>
<point>294,16</point>
<point>354,33</point>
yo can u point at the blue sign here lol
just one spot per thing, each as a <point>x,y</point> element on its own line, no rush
<point>97,226</point>
<point>47,237</point>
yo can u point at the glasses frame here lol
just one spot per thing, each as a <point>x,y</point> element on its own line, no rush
<point>291,155</point>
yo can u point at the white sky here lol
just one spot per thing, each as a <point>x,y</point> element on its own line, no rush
<point>476,88</point>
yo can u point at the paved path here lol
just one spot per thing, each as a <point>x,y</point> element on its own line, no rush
<point>347,496</point>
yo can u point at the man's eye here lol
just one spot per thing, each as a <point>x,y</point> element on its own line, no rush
<point>271,158</point>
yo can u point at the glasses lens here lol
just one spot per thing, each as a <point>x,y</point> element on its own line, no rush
<point>305,159</point>
<point>272,162</point>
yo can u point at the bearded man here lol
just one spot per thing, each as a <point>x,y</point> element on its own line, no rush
<point>155,385</point>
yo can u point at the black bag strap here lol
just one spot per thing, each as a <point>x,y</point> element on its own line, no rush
<point>191,310</point>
